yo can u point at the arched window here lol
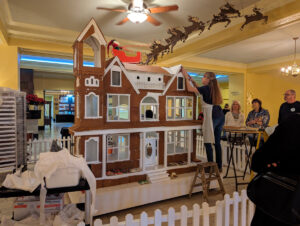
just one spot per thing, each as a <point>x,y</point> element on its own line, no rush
<point>92,150</point>
<point>91,106</point>
<point>149,109</point>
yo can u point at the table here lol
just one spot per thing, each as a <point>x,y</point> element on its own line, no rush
<point>237,136</point>
<point>82,185</point>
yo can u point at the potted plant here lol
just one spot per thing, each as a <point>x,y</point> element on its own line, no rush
<point>34,100</point>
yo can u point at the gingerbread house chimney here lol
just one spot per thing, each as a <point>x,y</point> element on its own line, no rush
<point>89,85</point>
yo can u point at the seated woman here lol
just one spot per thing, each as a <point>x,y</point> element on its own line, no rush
<point>258,117</point>
<point>234,117</point>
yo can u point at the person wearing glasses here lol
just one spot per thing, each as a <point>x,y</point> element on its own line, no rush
<point>290,107</point>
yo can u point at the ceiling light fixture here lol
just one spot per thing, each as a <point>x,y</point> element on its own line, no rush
<point>137,13</point>
<point>294,69</point>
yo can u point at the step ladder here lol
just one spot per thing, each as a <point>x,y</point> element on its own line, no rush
<point>214,174</point>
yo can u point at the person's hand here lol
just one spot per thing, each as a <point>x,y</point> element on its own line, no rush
<point>251,122</point>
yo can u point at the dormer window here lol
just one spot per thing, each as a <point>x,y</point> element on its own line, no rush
<point>180,83</point>
<point>116,77</point>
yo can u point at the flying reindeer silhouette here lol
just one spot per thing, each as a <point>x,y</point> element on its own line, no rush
<point>219,19</point>
<point>196,25</point>
<point>229,9</point>
<point>156,49</point>
<point>176,36</point>
<point>254,17</point>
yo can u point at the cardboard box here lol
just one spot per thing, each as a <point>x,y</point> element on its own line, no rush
<point>25,206</point>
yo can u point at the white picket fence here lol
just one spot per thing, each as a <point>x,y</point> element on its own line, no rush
<point>239,153</point>
<point>236,211</point>
<point>35,147</point>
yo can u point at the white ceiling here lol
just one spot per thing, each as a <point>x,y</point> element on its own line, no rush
<point>270,45</point>
<point>74,15</point>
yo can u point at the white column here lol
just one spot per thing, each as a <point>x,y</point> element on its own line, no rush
<point>104,156</point>
<point>143,150</point>
<point>190,145</point>
<point>165,149</point>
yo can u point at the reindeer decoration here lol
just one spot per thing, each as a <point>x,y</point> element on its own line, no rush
<point>254,17</point>
<point>176,36</point>
<point>196,25</point>
<point>227,12</point>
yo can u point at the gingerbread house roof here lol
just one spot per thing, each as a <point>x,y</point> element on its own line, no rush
<point>146,68</point>
<point>109,64</point>
<point>92,29</point>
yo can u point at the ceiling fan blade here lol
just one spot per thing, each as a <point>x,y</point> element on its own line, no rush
<point>123,21</point>
<point>114,10</point>
<point>153,21</point>
<point>163,9</point>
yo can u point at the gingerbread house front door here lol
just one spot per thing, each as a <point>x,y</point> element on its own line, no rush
<point>150,155</point>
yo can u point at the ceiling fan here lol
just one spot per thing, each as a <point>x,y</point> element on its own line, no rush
<point>138,12</point>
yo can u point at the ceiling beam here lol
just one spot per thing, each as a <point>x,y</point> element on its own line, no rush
<point>278,17</point>
<point>3,35</point>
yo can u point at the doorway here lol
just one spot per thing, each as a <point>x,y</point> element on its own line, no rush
<point>151,149</point>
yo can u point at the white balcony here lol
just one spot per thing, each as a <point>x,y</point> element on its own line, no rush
<point>150,85</point>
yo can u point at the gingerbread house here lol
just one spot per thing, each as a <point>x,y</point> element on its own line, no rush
<point>132,121</point>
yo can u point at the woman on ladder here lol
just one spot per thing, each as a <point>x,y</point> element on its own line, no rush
<point>213,121</point>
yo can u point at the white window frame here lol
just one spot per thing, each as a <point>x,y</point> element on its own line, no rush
<point>117,147</point>
<point>118,69</point>
<point>85,149</point>
<point>89,84</point>
<point>107,104</point>
<point>85,106</point>
<point>144,104</point>
<point>77,106</point>
<point>185,108</point>
<point>186,142</point>
<point>180,76</point>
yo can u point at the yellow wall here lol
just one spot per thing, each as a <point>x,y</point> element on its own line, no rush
<point>236,89</point>
<point>9,69</point>
<point>53,84</point>
<point>269,88</point>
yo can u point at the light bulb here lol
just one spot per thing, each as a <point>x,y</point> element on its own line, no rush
<point>282,69</point>
<point>286,70</point>
<point>136,17</point>
<point>289,68</point>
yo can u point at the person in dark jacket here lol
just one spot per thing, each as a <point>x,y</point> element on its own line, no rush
<point>290,107</point>
<point>281,154</point>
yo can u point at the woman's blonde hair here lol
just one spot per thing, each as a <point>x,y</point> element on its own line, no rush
<point>214,88</point>
<point>235,101</point>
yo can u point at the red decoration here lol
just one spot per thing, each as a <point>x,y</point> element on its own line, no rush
<point>34,99</point>
<point>129,59</point>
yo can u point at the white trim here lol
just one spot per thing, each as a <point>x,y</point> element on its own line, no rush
<point>103,156</point>
<point>143,150</point>
<point>117,107</point>
<point>98,34</point>
<point>127,146</point>
<point>97,152</point>
<point>77,105</point>
<point>85,107</point>
<point>135,130</point>
<point>173,70</point>
<point>180,75</point>
<point>109,67</point>
<point>165,149</point>
<point>87,82</point>
<point>190,145</point>
<point>185,108</point>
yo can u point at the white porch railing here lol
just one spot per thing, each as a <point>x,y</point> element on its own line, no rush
<point>147,85</point>
<point>239,153</point>
<point>35,147</point>
<point>236,211</point>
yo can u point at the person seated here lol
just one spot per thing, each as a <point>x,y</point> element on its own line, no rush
<point>290,107</point>
<point>258,117</point>
<point>234,117</point>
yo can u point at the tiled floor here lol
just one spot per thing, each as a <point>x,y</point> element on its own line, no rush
<point>53,131</point>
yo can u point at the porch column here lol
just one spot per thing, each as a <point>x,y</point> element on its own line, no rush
<point>165,149</point>
<point>143,150</point>
<point>103,156</point>
<point>190,144</point>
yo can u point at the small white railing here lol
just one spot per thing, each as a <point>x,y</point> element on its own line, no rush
<point>239,153</point>
<point>148,85</point>
<point>236,211</point>
<point>35,147</point>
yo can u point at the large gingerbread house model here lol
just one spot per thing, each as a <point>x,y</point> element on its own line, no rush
<point>131,121</point>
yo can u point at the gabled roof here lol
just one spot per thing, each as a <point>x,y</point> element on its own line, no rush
<point>95,31</point>
<point>188,79</point>
<point>146,68</point>
<point>109,64</point>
